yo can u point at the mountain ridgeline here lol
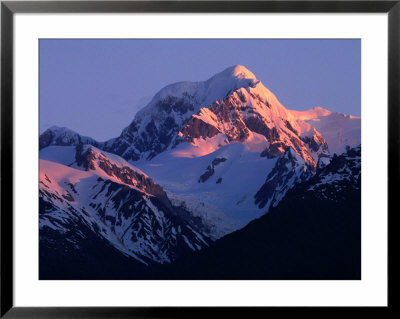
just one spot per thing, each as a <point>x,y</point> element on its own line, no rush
<point>211,180</point>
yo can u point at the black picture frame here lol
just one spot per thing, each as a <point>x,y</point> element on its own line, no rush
<point>9,8</point>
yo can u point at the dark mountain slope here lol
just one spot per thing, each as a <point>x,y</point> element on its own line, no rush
<point>313,233</point>
<point>96,259</point>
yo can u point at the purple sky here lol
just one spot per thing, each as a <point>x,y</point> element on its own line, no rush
<point>95,87</point>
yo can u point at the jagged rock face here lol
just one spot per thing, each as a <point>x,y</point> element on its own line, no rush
<point>233,103</point>
<point>314,142</point>
<point>340,176</point>
<point>244,111</point>
<point>155,136</point>
<point>118,204</point>
<point>289,170</point>
<point>155,127</point>
<point>149,225</point>
<point>257,125</point>
<point>90,159</point>
<point>197,128</point>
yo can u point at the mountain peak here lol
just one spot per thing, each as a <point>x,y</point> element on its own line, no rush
<point>319,108</point>
<point>60,129</point>
<point>235,76</point>
<point>240,71</point>
<point>63,136</point>
<point>234,73</point>
<point>200,94</point>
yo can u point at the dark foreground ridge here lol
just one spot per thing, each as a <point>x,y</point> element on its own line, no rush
<point>313,233</point>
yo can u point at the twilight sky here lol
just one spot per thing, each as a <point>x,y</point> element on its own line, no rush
<point>95,87</point>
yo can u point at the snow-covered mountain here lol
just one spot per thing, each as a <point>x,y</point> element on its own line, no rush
<point>231,118</point>
<point>82,187</point>
<point>201,160</point>
<point>226,108</point>
<point>339,130</point>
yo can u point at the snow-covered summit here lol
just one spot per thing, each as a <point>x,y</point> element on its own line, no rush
<point>232,78</point>
<point>231,105</point>
<point>203,93</point>
<point>240,72</point>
